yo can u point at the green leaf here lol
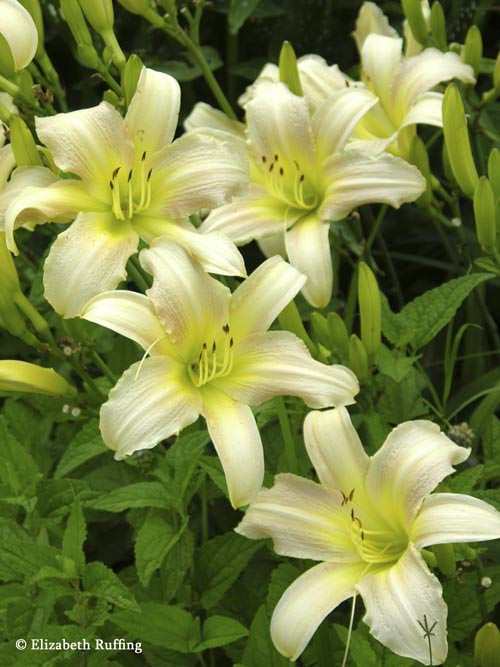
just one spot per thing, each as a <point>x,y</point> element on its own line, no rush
<point>85,446</point>
<point>401,401</point>
<point>212,466</point>
<point>219,631</point>
<point>18,470</point>
<point>260,650</point>
<point>219,563</point>
<point>176,565</point>
<point>424,317</point>
<point>282,576</point>
<point>491,439</point>
<point>141,494</point>
<point>239,12</point>
<point>74,536</point>
<point>187,71</point>
<point>464,612</point>
<point>161,625</point>
<point>466,480</point>
<point>394,363</point>
<point>100,581</point>
<point>360,651</point>
<point>154,540</point>
<point>20,556</point>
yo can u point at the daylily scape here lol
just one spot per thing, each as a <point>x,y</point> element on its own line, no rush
<point>249,379</point>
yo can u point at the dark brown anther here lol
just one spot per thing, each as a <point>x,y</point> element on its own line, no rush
<point>143,157</point>
<point>301,179</point>
<point>231,342</point>
<point>271,167</point>
<point>115,172</point>
<point>363,535</point>
<point>352,515</point>
<point>276,157</point>
<point>344,499</point>
<point>351,495</point>
<point>296,164</point>
<point>281,171</point>
<point>111,185</point>
<point>204,346</point>
<point>225,328</point>
<point>214,347</point>
<point>264,159</point>
<point>129,177</point>
<point>149,175</point>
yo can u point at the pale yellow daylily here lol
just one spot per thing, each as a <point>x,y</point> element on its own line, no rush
<point>211,354</point>
<point>301,178</point>
<point>132,183</point>
<point>366,521</point>
<point>18,37</point>
<point>30,378</point>
<point>371,19</point>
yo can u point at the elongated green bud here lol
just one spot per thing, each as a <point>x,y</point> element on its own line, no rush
<point>319,328</point>
<point>445,558</point>
<point>420,158</point>
<point>23,144</point>
<point>358,359</point>
<point>487,646</point>
<point>496,74</point>
<point>290,320</point>
<point>87,55</point>
<point>473,48</point>
<point>18,38</point>
<point>26,377</point>
<point>73,16</point>
<point>457,141</point>
<point>370,308</point>
<point>494,171</point>
<point>338,334</point>
<point>99,13</point>
<point>136,6</point>
<point>414,14</point>
<point>130,77</point>
<point>289,72</point>
<point>10,317</point>
<point>438,27</point>
<point>484,212</point>
<point>33,7</point>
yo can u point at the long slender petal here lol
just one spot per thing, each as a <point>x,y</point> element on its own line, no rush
<point>87,259</point>
<point>302,518</point>
<point>237,441</point>
<point>428,109</point>
<point>258,300</point>
<point>318,79</point>
<point>415,457</point>
<point>7,163</point>
<point>357,179</point>
<point>381,56</point>
<point>397,599</point>
<point>371,19</point>
<point>150,402</point>
<point>335,450</point>
<point>151,118</point>
<point>203,115</point>
<point>277,363</point>
<point>308,601</point>
<point>308,250</point>
<point>453,517</point>
<point>22,178</point>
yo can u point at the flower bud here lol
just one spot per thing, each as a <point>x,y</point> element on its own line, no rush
<point>457,141</point>
<point>73,16</point>
<point>289,73</point>
<point>99,13</point>
<point>370,308</point>
<point>487,646</point>
<point>35,11</point>
<point>130,77</point>
<point>473,48</point>
<point>358,359</point>
<point>419,157</point>
<point>136,6</point>
<point>484,213</point>
<point>494,171</point>
<point>438,26</point>
<point>445,558</point>
<point>319,328</point>
<point>23,376</point>
<point>416,20</point>
<point>338,334</point>
<point>496,74</point>
<point>23,144</point>
<point>87,55</point>
<point>18,37</point>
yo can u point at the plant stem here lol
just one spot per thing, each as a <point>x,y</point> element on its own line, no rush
<point>101,364</point>
<point>376,226</point>
<point>286,432</point>
<point>53,78</point>
<point>39,323</point>
<point>135,272</point>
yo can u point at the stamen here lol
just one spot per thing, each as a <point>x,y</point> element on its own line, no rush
<point>211,367</point>
<point>146,354</point>
<point>130,195</point>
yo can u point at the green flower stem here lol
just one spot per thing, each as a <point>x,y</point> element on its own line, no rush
<point>376,226</point>
<point>79,371</point>
<point>133,268</point>
<point>101,364</point>
<point>53,78</point>
<point>39,323</point>
<point>204,511</point>
<point>392,271</point>
<point>286,432</point>
<point>111,42</point>
<point>15,92</point>
<point>109,79</point>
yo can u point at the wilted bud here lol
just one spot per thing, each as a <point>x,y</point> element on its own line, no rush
<point>370,308</point>
<point>73,16</point>
<point>484,213</point>
<point>445,558</point>
<point>136,6</point>
<point>130,77</point>
<point>22,376</point>
<point>438,26</point>
<point>99,13</point>
<point>473,48</point>
<point>487,646</point>
<point>338,334</point>
<point>419,157</point>
<point>289,73</point>
<point>23,144</point>
<point>358,359</point>
<point>416,20</point>
<point>18,37</point>
<point>33,7</point>
<point>457,141</point>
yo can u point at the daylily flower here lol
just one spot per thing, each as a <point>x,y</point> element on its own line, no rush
<point>26,377</point>
<point>371,19</point>
<point>211,354</point>
<point>20,34</point>
<point>131,184</point>
<point>302,179</point>
<point>366,521</point>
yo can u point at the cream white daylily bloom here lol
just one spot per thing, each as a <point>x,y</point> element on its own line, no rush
<point>403,89</point>
<point>132,183</point>
<point>211,354</point>
<point>371,19</point>
<point>30,378</point>
<point>366,521</point>
<point>19,31</point>
<point>301,179</point>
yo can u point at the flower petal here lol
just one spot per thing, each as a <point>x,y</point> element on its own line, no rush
<point>357,179</point>
<point>274,363</point>
<point>415,457</point>
<point>90,143</point>
<point>269,73</point>
<point>203,115</point>
<point>259,299</point>
<point>381,56</point>
<point>335,450</point>
<point>151,118</point>
<point>453,517</point>
<point>273,245</point>
<point>216,162</point>
<point>318,79</point>
<point>22,178</point>
<point>396,599</point>
<point>150,402</point>
<point>19,30</point>
<point>87,259</point>
<point>189,303</point>
<point>7,163</point>
<point>252,216</point>
<point>237,441</point>
<point>302,518</point>
<point>371,19</point>
<point>129,314</point>
<point>427,110</point>
<point>308,250</point>
<point>308,601</point>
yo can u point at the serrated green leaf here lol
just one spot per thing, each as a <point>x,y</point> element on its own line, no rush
<point>20,557</point>
<point>154,540</point>
<point>85,446</point>
<point>466,480</point>
<point>176,565</point>
<point>141,494</point>
<point>360,651</point>
<point>259,649</point>
<point>100,581</point>
<point>219,631</point>
<point>74,536</point>
<point>401,401</point>
<point>393,363</point>
<point>18,469</point>
<point>464,612</point>
<point>282,576</point>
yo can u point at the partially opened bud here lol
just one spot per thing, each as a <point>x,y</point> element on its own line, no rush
<point>438,26</point>
<point>33,7</point>
<point>18,37</point>
<point>130,76</point>
<point>289,72</point>
<point>484,212</point>
<point>487,646</point>
<point>416,20</point>
<point>23,144</point>
<point>99,14</point>
<point>370,308</point>
<point>473,48</point>
<point>26,377</point>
